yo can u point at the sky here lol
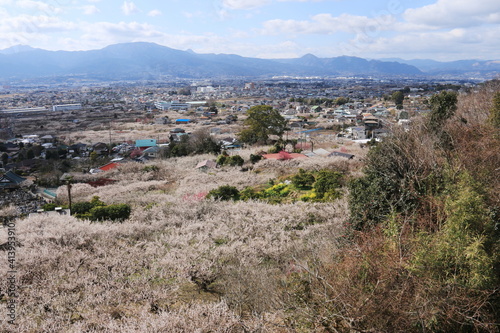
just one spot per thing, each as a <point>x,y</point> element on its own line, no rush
<point>442,30</point>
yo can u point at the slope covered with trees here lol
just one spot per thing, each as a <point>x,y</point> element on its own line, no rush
<point>408,243</point>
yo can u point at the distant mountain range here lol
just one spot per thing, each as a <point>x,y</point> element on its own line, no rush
<point>433,67</point>
<point>140,60</point>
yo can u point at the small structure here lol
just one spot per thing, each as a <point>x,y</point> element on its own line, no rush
<point>177,131</point>
<point>206,165</point>
<point>100,148</point>
<point>321,152</point>
<point>283,155</point>
<point>183,121</point>
<point>56,212</point>
<point>67,107</point>
<point>47,139</point>
<point>151,152</point>
<point>146,143</point>
<point>10,181</point>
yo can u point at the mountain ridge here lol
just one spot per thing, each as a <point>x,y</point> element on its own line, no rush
<point>150,60</point>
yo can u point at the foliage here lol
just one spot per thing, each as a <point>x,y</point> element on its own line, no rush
<point>81,209</point>
<point>116,212</point>
<point>150,168</point>
<point>221,159</point>
<point>393,179</point>
<point>49,207</point>
<point>262,121</point>
<point>462,250</point>
<point>398,98</point>
<point>303,179</point>
<point>254,158</point>
<point>249,193</point>
<point>96,210</point>
<point>224,193</point>
<point>199,142</point>
<point>234,160</point>
<point>424,223</point>
<point>443,106</point>
<point>327,184</point>
<point>280,190</point>
<point>494,117</point>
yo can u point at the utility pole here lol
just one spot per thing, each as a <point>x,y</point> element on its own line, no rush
<point>110,136</point>
<point>68,184</point>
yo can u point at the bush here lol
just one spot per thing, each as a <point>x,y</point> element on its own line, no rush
<point>280,190</point>
<point>462,251</point>
<point>250,194</point>
<point>225,193</point>
<point>221,159</point>
<point>96,210</point>
<point>78,209</point>
<point>255,158</point>
<point>117,212</point>
<point>273,150</point>
<point>303,180</point>
<point>235,160</point>
<point>49,207</point>
<point>150,168</point>
<point>327,184</point>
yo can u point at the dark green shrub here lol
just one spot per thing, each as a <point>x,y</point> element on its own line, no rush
<point>250,194</point>
<point>221,159</point>
<point>255,158</point>
<point>80,208</point>
<point>117,212</point>
<point>303,180</point>
<point>224,192</point>
<point>150,168</point>
<point>49,207</point>
<point>327,184</point>
<point>235,160</point>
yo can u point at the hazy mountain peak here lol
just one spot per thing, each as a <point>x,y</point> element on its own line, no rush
<point>309,56</point>
<point>17,49</point>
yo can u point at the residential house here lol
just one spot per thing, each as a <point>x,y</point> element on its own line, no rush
<point>48,139</point>
<point>151,152</point>
<point>10,181</point>
<point>183,121</point>
<point>145,143</point>
<point>100,148</point>
<point>358,133</point>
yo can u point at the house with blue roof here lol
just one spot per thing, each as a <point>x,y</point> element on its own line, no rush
<point>145,143</point>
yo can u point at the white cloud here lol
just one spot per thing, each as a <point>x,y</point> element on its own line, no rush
<point>155,12</point>
<point>101,34</point>
<point>455,44</point>
<point>244,4</point>
<point>328,24</point>
<point>455,13</point>
<point>90,10</point>
<point>129,8</point>
<point>39,6</point>
<point>26,24</point>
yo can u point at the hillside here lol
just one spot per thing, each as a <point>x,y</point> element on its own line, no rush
<point>177,254</point>
<point>403,238</point>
